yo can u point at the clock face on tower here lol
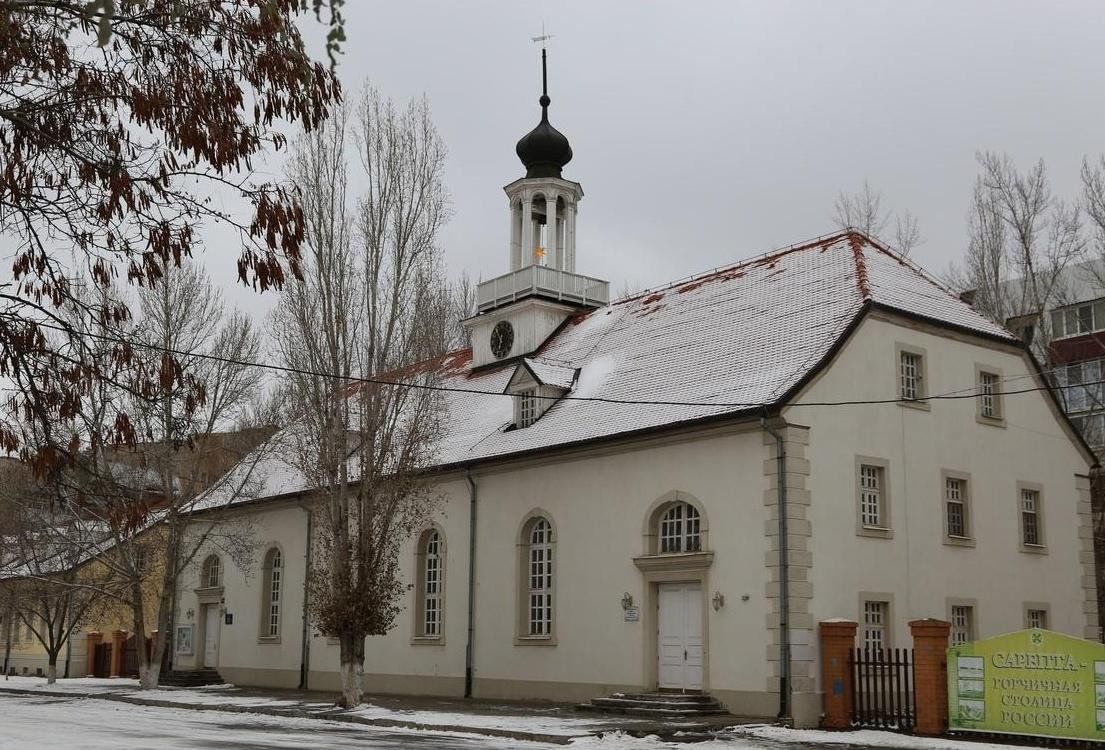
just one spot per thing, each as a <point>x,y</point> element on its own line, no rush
<point>502,339</point>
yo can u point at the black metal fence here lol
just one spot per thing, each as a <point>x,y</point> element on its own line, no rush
<point>882,688</point>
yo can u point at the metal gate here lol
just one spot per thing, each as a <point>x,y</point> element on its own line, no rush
<point>883,690</point>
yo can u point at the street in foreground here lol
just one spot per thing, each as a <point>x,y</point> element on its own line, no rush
<point>52,721</point>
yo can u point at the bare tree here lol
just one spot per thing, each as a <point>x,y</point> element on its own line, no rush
<point>44,568</point>
<point>1021,242</point>
<point>864,211</point>
<point>463,307</point>
<point>137,500</point>
<point>361,330</point>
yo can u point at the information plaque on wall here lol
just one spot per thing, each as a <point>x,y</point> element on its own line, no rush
<point>632,614</point>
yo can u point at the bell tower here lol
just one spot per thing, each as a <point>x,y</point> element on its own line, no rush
<point>543,204</point>
<point>519,310</point>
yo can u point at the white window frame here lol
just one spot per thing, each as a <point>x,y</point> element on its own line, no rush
<point>527,407</point>
<point>433,564</point>
<point>679,529</point>
<point>950,483</point>
<point>912,384</point>
<point>955,507</point>
<point>1078,319</point>
<point>212,573</point>
<point>875,630</point>
<point>864,491</point>
<point>539,574</point>
<point>962,616</point>
<point>991,409</point>
<point>271,594</point>
<point>1028,491</point>
<point>1037,615</point>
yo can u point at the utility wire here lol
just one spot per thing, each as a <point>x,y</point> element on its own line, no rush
<point>958,394</point>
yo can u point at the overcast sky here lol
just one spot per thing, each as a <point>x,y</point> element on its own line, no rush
<point>706,132</point>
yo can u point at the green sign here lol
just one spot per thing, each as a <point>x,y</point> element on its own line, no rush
<point>1032,682</point>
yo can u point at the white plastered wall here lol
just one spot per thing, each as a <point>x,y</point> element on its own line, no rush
<point>915,566</point>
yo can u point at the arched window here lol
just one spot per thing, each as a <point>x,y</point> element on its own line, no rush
<point>539,575</point>
<point>270,593</point>
<point>680,529</point>
<point>212,572</point>
<point>431,584</point>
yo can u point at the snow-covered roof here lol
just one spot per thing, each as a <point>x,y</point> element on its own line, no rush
<point>729,342</point>
<point>551,373</point>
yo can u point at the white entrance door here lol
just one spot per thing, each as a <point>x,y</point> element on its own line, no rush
<point>211,636</point>
<point>680,636</point>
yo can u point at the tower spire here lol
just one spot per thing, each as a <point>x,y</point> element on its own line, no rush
<point>544,100</point>
<point>544,150</point>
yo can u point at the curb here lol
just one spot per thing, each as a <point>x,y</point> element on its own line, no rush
<point>333,715</point>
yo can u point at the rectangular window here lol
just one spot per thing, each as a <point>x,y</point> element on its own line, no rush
<point>912,376</point>
<point>1085,319</point>
<point>989,395</point>
<point>1036,618</point>
<point>527,407</point>
<point>274,602</point>
<point>431,602</point>
<point>875,620</point>
<point>1030,517</point>
<point>963,621</point>
<point>1057,328</point>
<point>872,511</point>
<point>955,504</point>
<point>540,579</point>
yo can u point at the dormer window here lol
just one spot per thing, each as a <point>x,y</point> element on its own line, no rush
<point>536,385</point>
<point>527,407</point>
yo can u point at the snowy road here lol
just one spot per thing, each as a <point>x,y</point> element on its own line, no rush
<point>53,722</point>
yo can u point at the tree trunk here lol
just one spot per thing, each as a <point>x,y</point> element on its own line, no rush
<point>352,671</point>
<point>146,681</point>
<point>52,670</point>
<point>150,672</point>
<point>7,643</point>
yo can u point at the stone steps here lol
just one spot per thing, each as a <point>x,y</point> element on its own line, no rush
<point>190,678</point>
<point>658,705</point>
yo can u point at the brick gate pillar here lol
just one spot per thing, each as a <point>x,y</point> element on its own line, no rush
<point>930,675</point>
<point>92,641</point>
<point>838,638</point>
<point>118,646</point>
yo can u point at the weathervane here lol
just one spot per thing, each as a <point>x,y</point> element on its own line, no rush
<point>544,100</point>
<point>543,38</point>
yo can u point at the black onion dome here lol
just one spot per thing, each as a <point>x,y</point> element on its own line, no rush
<point>544,150</point>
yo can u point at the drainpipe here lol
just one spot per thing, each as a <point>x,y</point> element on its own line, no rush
<point>469,661</point>
<point>305,654</point>
<point>784,570</point>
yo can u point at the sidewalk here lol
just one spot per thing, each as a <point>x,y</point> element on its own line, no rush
<point>538,722</point>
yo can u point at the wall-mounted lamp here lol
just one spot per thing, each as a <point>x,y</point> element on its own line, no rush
<point>719,600</point>
<point>627,600</point>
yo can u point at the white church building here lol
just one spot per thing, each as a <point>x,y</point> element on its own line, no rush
<point>823,431</point>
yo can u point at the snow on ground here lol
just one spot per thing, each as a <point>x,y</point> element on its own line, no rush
<point>208,697</point>
<point>862,737</point>
<point>73,684</point>
<point>551,725</point>
<point>49,722</point>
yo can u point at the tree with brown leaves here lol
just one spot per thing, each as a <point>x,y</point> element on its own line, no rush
<point>119,119</point>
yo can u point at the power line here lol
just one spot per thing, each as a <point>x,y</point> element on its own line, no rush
<point>958,394</point>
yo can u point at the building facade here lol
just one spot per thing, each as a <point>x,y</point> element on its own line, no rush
<point>669,491</point>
